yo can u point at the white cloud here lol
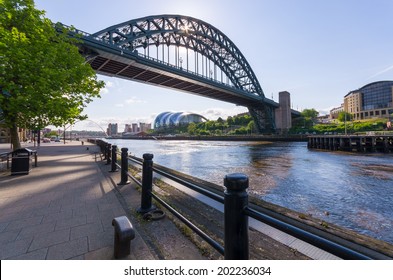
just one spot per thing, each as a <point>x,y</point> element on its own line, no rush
<point>104,91</point>
<point>381,72</point>
<point>134,100</point>
<point>119,105</point>
<point>215,113</point>
<point>109,84</point>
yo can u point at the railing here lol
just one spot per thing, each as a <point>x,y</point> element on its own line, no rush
<point>237,211</point>
<point>5,157</point>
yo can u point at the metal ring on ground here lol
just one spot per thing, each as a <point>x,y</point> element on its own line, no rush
<point>154,215</point>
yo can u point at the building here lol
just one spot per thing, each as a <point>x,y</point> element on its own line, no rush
<point>135,127</point>
<point>336,111</point>
<point>374,100</point>
<point>112,129</point>
<point>144,127</point>
<point>127,128</point>
<point>169,119</point>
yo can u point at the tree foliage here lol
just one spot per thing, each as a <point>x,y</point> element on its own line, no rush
<point>43,78</point>
<point>310,113</point>
<point>344,116</point>
<point>238,125</point>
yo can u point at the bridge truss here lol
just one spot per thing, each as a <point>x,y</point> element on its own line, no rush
<point>201,52</point>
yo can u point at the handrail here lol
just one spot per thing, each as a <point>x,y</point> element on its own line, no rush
<point>322,243</point>
<point>326,241</point>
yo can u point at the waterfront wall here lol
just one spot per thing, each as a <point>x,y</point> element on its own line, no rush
<point>352,143</point>
<point>269,138</point>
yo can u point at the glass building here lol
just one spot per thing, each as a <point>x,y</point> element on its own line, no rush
<point>168,119</point>
<point>374,100</point>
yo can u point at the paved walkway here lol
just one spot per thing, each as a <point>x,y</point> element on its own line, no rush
<point>62,210</point>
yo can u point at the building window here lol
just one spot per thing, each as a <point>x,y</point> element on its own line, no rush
<point>383,112</point>
<point>366,114</point>
<point>377,113</point>
<point>371,113</point>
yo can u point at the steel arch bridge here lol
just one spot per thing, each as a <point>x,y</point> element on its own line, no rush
<point>140,50</point>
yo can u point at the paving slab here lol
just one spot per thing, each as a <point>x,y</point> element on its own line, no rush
<point>62,209</point>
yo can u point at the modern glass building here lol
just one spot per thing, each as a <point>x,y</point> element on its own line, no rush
<point>168,119</point>
<point>374,100</point>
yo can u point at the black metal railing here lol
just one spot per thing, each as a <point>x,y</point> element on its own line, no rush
<point>237,211</point>
<point>6,157</point>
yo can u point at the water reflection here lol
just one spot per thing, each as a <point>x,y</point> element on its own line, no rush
<point>355,189</point>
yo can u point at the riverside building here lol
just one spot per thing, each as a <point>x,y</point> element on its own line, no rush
<point>374,100</point>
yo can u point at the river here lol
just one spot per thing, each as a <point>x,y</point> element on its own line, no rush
<point>350,190</point>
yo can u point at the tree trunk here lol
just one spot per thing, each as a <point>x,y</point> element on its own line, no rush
<point>15,137</point>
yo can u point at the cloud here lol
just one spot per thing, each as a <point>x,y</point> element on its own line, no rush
<point>119,105</point>
<point>134,100</point>
<point>215,113</point>
<point>104,91</point>
<point>381,72</point>
<point>109,84</point>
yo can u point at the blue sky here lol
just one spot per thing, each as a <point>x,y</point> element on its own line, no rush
<point>317,50</point>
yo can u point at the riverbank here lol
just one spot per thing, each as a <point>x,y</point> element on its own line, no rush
<point>267,138</point>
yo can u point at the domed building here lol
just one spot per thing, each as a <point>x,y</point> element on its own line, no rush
<point>169,119</point>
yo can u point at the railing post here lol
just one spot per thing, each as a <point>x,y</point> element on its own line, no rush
<point>124,167</point>
<point>147,184</point>
<point>108,153</point>
<point>114,159</point>
<point>103,149</point>
<point>235,221</point>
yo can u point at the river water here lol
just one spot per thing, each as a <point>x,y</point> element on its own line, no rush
<point>351,190</point>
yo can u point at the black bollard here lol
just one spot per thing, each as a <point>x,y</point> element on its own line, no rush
<point>114,159</point>
<point>235,221</point>
<point>147,184</point>
<point>124,167</point>
<point>103,149</point>
<point>108,153</point>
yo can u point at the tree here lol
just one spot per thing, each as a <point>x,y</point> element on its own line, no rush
<point>344,116</point>
<point>43,78</point>
<point>310,113</point>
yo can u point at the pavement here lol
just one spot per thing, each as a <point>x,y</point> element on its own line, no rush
<point>63,209</point>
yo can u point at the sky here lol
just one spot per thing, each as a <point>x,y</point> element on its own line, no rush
<point>316,50</point>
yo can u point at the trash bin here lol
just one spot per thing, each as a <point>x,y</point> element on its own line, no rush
<point>21,161</point>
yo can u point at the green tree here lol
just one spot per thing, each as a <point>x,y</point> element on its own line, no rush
<point>344,116</point>
<point>192,129</point>
<point>310,113</point>
<point>43,78</point>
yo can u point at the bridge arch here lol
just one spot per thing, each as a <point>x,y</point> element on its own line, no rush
<point>187,32</point>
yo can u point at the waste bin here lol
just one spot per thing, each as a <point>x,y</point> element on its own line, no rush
<point>21,161</point>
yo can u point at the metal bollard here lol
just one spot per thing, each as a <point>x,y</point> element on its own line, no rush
<point>103,149</point>
<point>147,184</point>
<point>124,233</point>
<point>235,221</point>
<point>124,167</point>
<point>114,159</point>
<point>108,154</point>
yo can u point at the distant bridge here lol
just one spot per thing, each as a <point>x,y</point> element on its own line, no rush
<point>182,53</point>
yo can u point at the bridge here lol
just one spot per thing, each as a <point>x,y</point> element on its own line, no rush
<point>181,53</point>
